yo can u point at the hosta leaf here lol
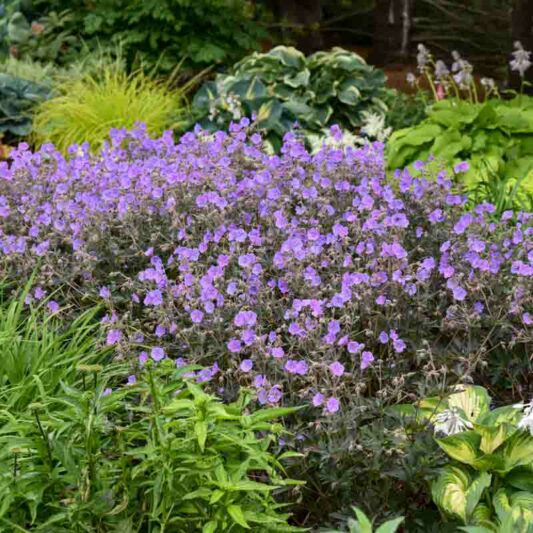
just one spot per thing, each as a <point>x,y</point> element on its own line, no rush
<point>475,490</point>
<point>462,447</point>
<point>449,491</point>
<point>349,96</point>
<point>499,415</point>
<point>297,80</point>
<point>418,135</point>
<point>269,114</point>
<point>518,450</point>
<point>493,436</point>
<point>474,401</point>
<point>288,56</point>
<point>521,478</point>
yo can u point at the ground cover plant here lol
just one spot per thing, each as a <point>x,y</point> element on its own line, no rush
<point>310,279</point>
<point>177,241</point>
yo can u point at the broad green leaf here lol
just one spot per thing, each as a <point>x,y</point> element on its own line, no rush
<point>269,114</point>
<point>349,96</point>
<point>493,436</point>
<point>518,450</point>
<point>421,134</point>
<point>288,56</point>
<point>297,80</point>
<point>462,447</point>
<point>391,526</point>
<point>521,478</point>
<point>449,491</point>
<point>475,490</point>
<point>497,416</point>
<point>236,513</point>
<point>473,400</point>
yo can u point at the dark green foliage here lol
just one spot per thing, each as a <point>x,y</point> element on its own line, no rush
<point>162,32</point>
<point>283,87</point>
<point>156,455</point>
<point>17,99</point>
<point>370,458</point>
<point>495,137</point>
<point>404,110</point>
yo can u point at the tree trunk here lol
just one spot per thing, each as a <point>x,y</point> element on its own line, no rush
<point>392,30</point>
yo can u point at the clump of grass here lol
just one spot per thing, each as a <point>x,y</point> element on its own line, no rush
<point>87,107</point>
<point>39,351</point>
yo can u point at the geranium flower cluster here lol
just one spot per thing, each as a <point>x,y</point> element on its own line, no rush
<point>304,276</point>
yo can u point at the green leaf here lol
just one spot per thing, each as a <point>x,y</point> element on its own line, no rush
<point>269,114</point>
<point>521,478</point>
<point>364,525</point>
<point>462,447</point>
<point>493,436</point>
<point>518,450</point>
<point>288,56</point>
<point>474,401</point>
<point>475,490</point>
<point>236,513</point>
<point>349,96</point>
<point>273,413</point>
<point>449,491</point>
<point>210,527</point>
<point>300,79</point>
<point>391,526</point>
<point>200,430</point>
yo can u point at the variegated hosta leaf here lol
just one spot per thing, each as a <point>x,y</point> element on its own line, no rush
<point>521,478</point>
<point>492,437</point>
<point>472,400</point>
<point>463,447</point>
<point>449,491</point>
<point>518,450</point>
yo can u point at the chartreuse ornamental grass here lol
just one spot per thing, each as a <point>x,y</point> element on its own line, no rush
<point>88,106</point>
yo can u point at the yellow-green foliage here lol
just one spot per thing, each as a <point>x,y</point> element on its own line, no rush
<point>87,107</point>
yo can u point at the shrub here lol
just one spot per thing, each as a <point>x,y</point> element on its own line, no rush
<point>489,478</point>
<point>88,106</point>
<point>159,33</point>
<point>309,277</point>
<point>39,351</point>
<point>283,87</point>
<point>153,453</point>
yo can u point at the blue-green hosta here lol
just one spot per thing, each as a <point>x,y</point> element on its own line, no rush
<point>488,482</point>
<point>284,86</point>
